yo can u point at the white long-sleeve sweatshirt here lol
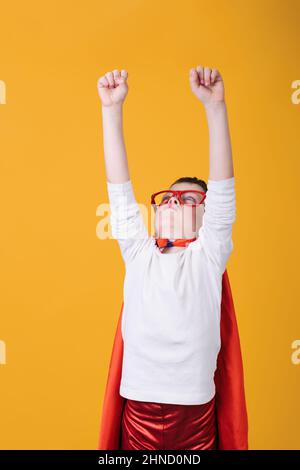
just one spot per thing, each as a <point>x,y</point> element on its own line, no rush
<point>172,301</point>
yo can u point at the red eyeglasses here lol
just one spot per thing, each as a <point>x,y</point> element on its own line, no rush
<point>186,197</point>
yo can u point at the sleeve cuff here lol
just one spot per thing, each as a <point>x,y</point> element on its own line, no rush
<point>221,184</point>
<point>119,187</point>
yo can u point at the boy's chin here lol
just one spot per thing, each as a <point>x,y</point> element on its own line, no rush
<point>172,236</point>
<point>166,235</point>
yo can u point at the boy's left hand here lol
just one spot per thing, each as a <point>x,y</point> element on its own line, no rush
<point>207,85</point>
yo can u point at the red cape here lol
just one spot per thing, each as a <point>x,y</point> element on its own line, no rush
<point>231,411</point>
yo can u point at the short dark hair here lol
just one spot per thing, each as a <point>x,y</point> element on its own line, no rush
<point>192,179</point>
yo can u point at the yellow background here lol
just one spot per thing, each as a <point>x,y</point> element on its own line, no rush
<point>61,286</point>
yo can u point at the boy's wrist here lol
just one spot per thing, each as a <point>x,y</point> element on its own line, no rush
<point>215,106</point>
<point>112,109</point>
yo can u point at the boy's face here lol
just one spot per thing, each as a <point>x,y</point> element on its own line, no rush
<point>176,220</point>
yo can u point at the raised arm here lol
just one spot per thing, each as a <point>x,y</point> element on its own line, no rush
<point>113,89</point>
<point>208,86</point>
<point>127,224</point>
<point>215,234</point>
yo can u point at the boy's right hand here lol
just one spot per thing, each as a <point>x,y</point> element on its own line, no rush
<point>113,87</point>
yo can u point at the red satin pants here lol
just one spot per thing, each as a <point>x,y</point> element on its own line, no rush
<point>159,426</point>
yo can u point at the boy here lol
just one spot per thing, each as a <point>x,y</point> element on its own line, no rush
<point>173,282</point>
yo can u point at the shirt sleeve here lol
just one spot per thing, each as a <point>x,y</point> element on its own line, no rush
<point>126,220</point>
<point>215,234</point>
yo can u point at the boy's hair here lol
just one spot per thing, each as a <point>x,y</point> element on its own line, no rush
<point>192,179</point>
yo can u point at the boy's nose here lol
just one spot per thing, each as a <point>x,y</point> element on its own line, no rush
<point>173,201</point>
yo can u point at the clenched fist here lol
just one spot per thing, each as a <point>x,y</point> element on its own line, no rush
<point>207,85</point>
<point>113,87</point>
